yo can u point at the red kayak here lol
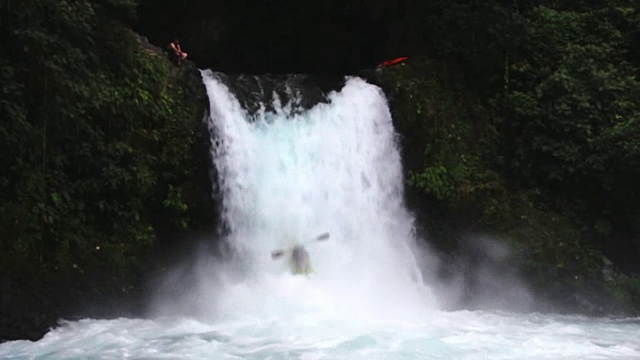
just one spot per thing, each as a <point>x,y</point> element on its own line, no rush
<point>394,61</point>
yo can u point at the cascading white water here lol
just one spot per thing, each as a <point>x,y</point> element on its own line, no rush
<point>335,168</point>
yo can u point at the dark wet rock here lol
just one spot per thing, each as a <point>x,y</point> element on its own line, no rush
<point>298,92</point>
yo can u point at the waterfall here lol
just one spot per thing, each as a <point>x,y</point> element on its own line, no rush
<point>287,175</point>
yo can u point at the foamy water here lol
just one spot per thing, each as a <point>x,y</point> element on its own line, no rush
<point>286,179</point>
<point>444,335</point>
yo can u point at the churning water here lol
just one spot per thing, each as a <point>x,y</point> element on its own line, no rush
<point>287,176</point>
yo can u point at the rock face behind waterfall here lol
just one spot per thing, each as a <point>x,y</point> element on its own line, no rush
<point>300,91</point>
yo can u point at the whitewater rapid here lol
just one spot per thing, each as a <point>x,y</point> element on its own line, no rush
<point>285,176</point>
<point>448,335</point>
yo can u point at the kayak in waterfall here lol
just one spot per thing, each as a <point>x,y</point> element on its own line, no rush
<point>298,257</point>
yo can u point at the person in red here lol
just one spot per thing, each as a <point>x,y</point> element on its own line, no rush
<point>178,55</point>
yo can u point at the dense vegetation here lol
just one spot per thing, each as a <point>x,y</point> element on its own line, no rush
<point>519,117</point>
<point>539,140</point>
<point>542,142</point>
<point>98,151</point>
<point>563,78</point>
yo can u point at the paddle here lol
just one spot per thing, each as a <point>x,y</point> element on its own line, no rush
<point>278,253</point>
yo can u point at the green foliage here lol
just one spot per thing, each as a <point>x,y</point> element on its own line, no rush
<point>550,239</point>
<point>97,138</point>
<point>458,168</point>
<point>626,288</point>
<point>552,161</point>
<point>435,180</point>
<point>578,87</point>
<point>448,138</point>
<point>564,78</point>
